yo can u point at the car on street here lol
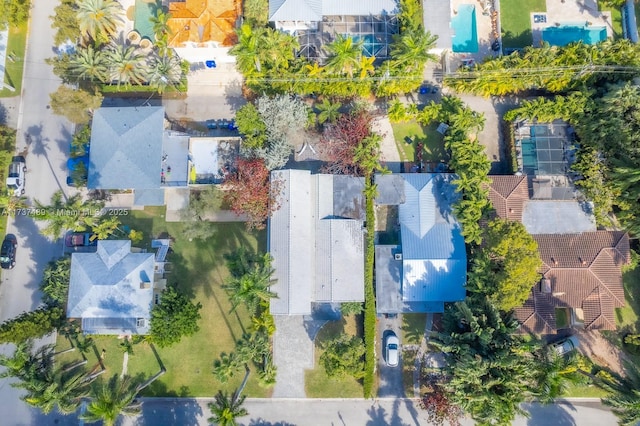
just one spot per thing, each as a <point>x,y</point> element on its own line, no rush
<point>79,239</point>
<point>391,349</point>
<point>15,178</point>
<point>8,252</point>
<point>565,346</point>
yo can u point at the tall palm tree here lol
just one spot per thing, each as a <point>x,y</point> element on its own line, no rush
<point>126,65</point>
<point>73,213</point>
<point>111,399</point>
<point>624,399</point>
<point>164,71</point>
<point>89,64</point>
<point>227,408</point>
<point>99,19</point>
<point>246,50</point>
<point>344,55</point>
<point>411,49</point>
<point>252,287</point>
<point>58,390</point>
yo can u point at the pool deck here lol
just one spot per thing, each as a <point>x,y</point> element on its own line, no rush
<point>570,12</point>
<point>484,29</point>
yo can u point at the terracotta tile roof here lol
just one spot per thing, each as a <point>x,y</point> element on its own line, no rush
<point>508,194</point>
<point>200,21</point>
<point>584,271</point>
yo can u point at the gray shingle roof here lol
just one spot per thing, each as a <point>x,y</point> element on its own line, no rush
<point>437,20</point>
<point>317,257</point>
<point>148,197</point>
<point>106,285</point>
<point>126,148</point>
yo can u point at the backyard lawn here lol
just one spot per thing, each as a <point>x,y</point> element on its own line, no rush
<point>317,383</point>
<point>409,134</point>
<point>199,268</point>
<point>14,68</point>
<point>413,328</point>
<point>628,315</point>
<point>515,20</point>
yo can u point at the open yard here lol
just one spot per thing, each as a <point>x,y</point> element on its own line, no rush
<point>627,316</point>
<point>515,20</point>
<point>317,383</point>
<point>413,328</point>
<point>408,135</point>
<point>15,61</point>
<point>199,268</point>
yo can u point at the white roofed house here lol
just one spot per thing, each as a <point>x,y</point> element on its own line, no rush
<point>111,290</point>
<point>316,240</point>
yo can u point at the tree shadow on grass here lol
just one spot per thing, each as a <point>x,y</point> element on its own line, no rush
<point>516,41</point>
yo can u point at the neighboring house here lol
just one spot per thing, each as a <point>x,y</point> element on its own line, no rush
<point>111,290</point>
<point>428,268</point>
<point>437,20</point>
<point>202,21</point>
<point>131,150</point>
<point>317,22</point>
<point>581,276</point>
<point>316,239</point>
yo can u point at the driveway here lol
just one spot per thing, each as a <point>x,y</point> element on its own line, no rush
<point>292,355</point>
<point>390,384</point>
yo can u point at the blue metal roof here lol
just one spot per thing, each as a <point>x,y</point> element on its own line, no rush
<point>433,251</point>
<point>126,148</point>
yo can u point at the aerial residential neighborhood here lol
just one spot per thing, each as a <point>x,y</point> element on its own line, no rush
<point>297,212</point>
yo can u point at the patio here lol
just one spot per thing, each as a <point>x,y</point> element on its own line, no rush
<point>583,13</point>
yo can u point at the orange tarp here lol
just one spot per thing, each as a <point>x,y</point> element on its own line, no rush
<point>201,21</point>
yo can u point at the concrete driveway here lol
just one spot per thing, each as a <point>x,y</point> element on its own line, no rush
<point>390,384</point>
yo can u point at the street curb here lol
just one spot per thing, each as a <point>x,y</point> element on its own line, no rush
<point>318,400</point>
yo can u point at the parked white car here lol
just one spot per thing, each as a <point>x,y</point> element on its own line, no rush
<point>391,349</point>
<point>15,178</point>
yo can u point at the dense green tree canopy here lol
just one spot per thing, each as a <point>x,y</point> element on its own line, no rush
<point>31,325</point>
<point>14,12</point>
<point>55,281</point>
<point>343,356</point>
<point>174,317</point>
<point>506,266</point>
<point>76,105</point>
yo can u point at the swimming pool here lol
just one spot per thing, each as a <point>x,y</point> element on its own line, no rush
<point>370,46</point>
<point>565,34</point>
<point>465,37</point>
<point>145,10</point>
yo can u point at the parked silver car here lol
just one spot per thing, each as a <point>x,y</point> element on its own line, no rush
<point>566,346</point>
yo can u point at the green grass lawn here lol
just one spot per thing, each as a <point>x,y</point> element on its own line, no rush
<point>432,140</point>
<point>199,268</point>
<point>584,391</point>
<point>515,20</point>
<point>413,328</point>
<point>628,315</point>
<point>13,69</point>
<point>408,368</point>
<point>317,383</point>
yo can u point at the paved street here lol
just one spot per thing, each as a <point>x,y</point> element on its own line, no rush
<point>352,412</point>
<point>46,157</point>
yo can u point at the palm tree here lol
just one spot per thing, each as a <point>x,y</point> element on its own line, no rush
<point>226,408</point>
<point>344,55</point>
<point>74,213</point>
<point>161,24</point>
<point>111,399</point>
<point>252,287</point>
<point>328,111</point>
<point>99,19</point>
<point>164,71</point>
<point>126,65</point>
<point>57,389</point>
<point>246,50</point>
<point>625,394</point>
<point>89,64</point>
<point>411,49</point>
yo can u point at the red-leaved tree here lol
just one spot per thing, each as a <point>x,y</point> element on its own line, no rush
<point>437,404</point>
<point>340,141</point>
<point>248,191</point>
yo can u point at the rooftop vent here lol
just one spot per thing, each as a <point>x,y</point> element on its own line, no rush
<point>397,256</point>
<point>545,285</point>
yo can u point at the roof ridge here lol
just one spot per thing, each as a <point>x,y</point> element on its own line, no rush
<point>602,283</point>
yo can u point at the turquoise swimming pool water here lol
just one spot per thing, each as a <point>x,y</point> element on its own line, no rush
<point>143,13</point>
<point>565,34</point>
<point>465,38</point>
<point>369,44</point>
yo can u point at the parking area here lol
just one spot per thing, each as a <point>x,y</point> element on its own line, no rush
<point>390,385</point>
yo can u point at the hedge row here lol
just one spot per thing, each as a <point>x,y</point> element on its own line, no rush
<point>369,296</point>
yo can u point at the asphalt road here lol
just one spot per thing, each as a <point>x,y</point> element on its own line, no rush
<point>46,156</point>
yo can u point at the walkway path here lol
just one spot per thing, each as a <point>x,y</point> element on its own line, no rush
<point>292,354</point>
<point>390,155</point>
